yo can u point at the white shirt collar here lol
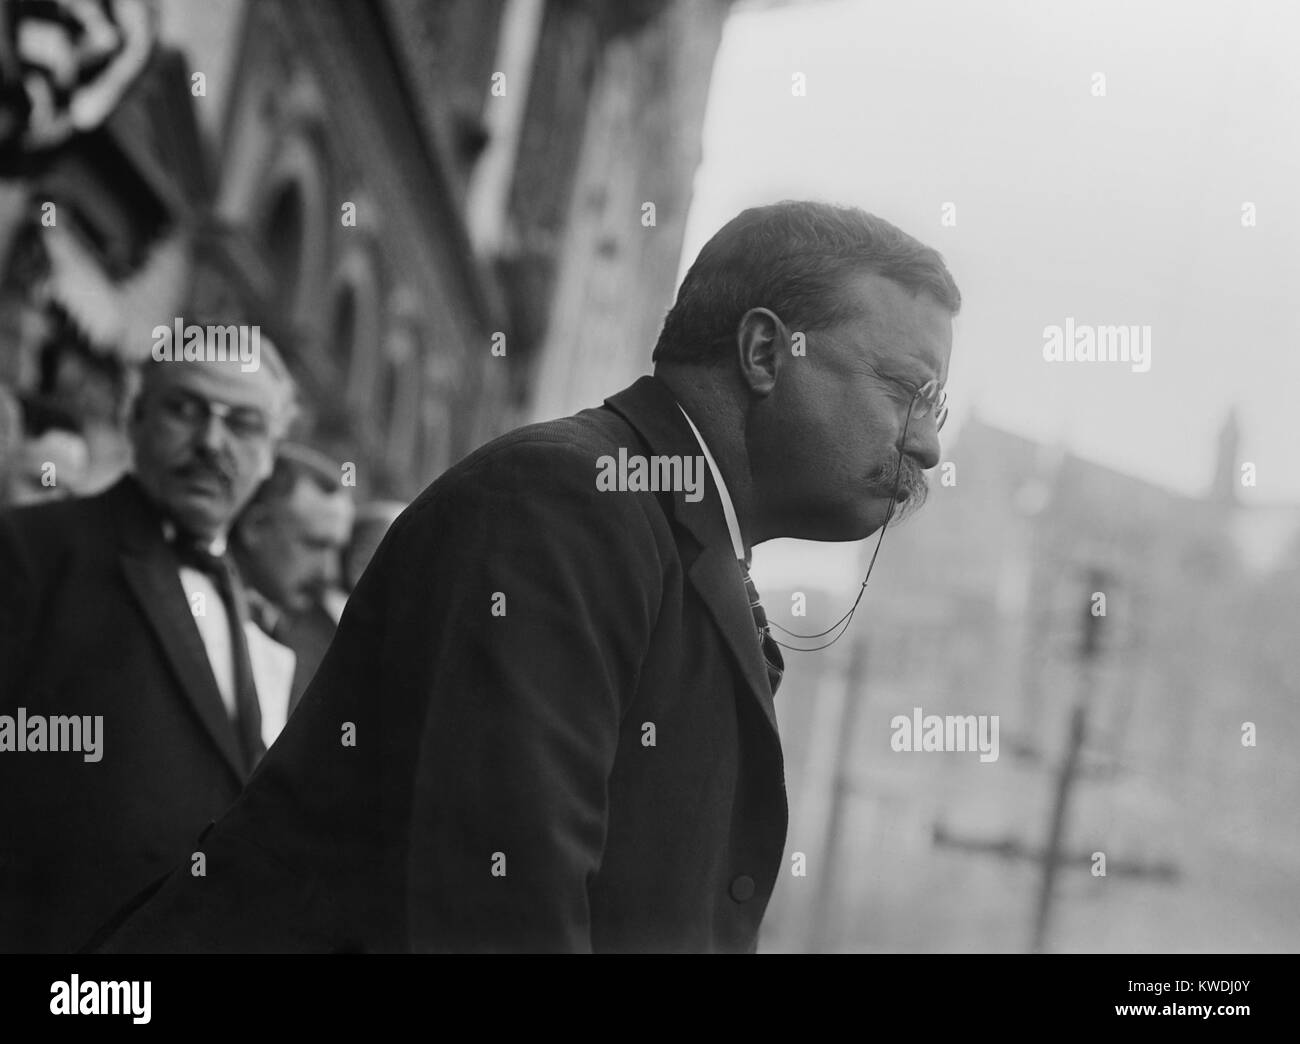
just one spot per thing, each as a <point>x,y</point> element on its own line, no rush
<point>728,509</point>
<point>216,547</point>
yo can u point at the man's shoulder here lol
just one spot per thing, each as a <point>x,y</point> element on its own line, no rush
<point>581,437</point>
<point>537,479</point>
<point>73,518</point>
<point>537,457</point>
<point>62,546</point>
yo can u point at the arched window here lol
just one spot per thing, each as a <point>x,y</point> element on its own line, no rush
<point>355,334</point>
<point>283,236</point>
<point>343,328</point>
<point>294,219</point>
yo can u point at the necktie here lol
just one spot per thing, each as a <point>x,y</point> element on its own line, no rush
<point>248,714</point>
<point>772,657</point>
<point>267,617</point>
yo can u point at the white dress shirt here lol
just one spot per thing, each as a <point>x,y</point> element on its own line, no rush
<point>728,509</point>
<point>273,664</point>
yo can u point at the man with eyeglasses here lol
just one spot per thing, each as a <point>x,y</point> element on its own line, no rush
<point>125,605</point>
<point>560,697</point>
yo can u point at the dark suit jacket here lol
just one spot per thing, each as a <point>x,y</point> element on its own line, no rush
<point>308,633</point>
<point>94,621</point>
<point>502,793</point>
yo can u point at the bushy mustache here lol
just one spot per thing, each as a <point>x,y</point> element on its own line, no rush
<point>205,464</point>
<point>913,487</point>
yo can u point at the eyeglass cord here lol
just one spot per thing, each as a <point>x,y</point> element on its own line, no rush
<point>847,618</point>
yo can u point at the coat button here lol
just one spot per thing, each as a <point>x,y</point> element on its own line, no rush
<point>742,888</point>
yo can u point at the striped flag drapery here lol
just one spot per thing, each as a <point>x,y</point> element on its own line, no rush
<point>65,65</point>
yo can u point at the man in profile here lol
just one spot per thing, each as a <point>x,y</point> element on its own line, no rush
<point>123,614</point>
<point>546,722</point>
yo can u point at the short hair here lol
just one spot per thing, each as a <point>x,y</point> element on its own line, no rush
<point>792,257</point>
<point>293,464</point>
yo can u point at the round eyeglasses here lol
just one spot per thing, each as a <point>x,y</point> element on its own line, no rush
<point>931,398</point>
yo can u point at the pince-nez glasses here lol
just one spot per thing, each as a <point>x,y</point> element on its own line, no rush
<point>931,398</point>
<point>928,398</point>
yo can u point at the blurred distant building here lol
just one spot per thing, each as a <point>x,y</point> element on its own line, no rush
<point>1004,556</point>
<point>977,606</point>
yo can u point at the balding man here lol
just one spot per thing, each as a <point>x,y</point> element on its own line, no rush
<point>122,615</point>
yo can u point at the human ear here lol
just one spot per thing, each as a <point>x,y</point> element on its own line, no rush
<point>760,341</point>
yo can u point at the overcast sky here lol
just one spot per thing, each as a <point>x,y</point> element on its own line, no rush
<point>1121,209</point>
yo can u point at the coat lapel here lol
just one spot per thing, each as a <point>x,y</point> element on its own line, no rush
<point>718,581</point>
<point>652,410</point>
<point>151,572</point>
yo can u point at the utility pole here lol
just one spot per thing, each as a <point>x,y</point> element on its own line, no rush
<point>825,903</point>
<point>1089,646</point>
